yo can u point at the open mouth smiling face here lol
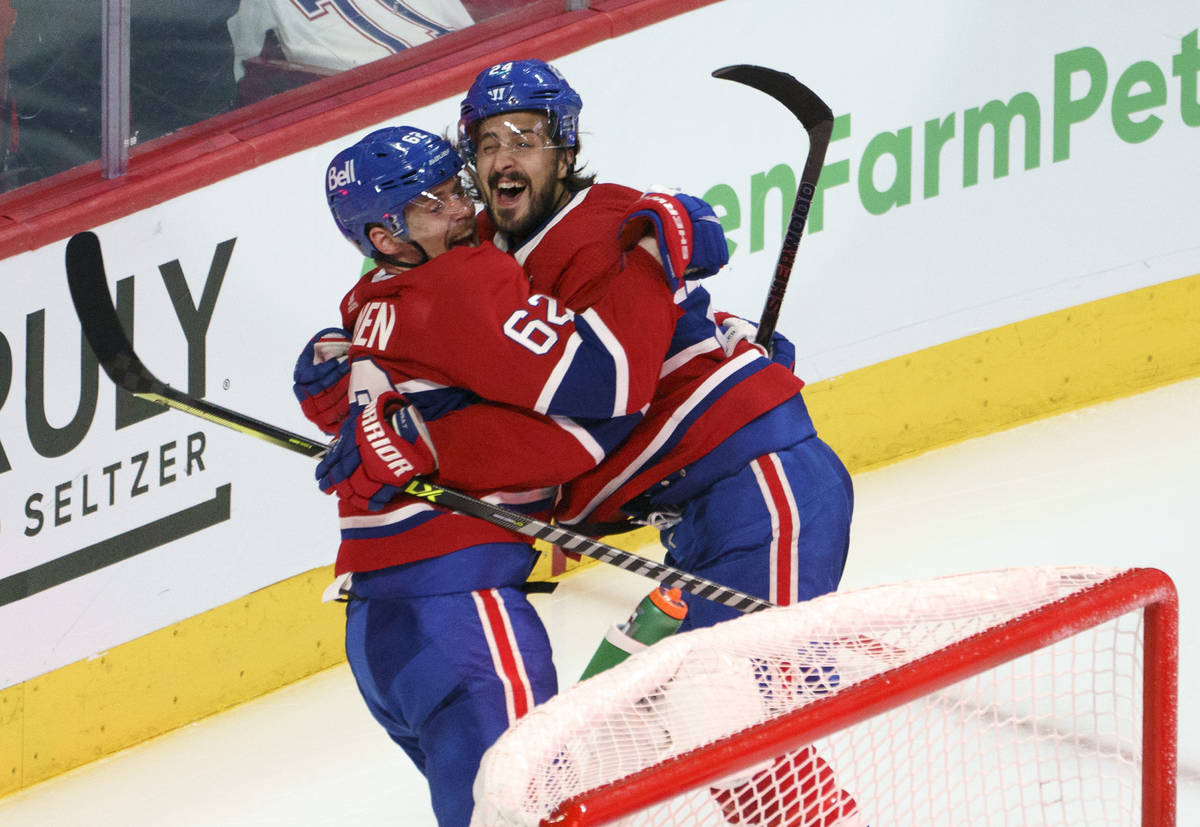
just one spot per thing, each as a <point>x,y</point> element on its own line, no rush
<point>508,190</point>
<point>521,170</point>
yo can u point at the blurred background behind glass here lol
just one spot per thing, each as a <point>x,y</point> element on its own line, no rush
<point>189,60</point>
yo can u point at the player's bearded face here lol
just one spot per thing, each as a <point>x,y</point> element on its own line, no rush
<point>521,172</point>
<point>441,218</point>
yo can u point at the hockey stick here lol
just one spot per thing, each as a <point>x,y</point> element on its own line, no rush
<point>102,326</point>
<point>817,119</point>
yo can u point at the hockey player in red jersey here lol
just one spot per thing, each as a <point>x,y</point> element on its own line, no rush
<point>727,443</point>
<point>448,365</point>
<point>727,454</point>
<point>517,349</point>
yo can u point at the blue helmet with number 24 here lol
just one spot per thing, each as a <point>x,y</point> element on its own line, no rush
<point>372,181</point>
<point>517,86</point>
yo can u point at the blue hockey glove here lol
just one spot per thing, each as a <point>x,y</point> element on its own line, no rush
<point>710,251</point>
<point>321,379</point>
<point>690,240</point>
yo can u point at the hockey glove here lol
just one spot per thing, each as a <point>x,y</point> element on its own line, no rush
<point>710,251</point>
<point>735,329</point>
<point>691,242</point>
<point>376,453</point>
<point>321,380</point>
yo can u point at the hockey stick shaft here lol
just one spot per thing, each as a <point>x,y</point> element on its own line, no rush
<point>101,325</point>
<point>817,119</point>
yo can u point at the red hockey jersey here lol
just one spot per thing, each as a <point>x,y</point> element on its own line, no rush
<point>519,392</point>
<point>703,396</point>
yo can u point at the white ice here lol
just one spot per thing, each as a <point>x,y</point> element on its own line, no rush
<point>1117,484</point>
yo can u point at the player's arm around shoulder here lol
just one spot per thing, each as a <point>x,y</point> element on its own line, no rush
<point>643,312</point>
<point>469,319</point>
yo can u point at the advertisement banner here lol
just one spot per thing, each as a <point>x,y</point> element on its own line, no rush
<point>989,163</point>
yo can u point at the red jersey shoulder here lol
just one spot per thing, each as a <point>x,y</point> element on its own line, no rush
<point>368,287</point>
<point>458,271</point>
<point>612,197</point>
<point>575,259</point>
<point>486,259</point>
<point>598,217</point>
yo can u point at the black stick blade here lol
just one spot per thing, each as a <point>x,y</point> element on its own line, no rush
<point>798,98</point>
<point>88,284</point>
<point>102,326</point>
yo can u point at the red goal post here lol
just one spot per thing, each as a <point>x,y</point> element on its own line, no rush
<point>1018,696</point>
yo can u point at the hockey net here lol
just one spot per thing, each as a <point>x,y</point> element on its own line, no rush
<point>1009,697</point>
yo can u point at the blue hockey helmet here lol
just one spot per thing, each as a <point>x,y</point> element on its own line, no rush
<point>372,181</point>
<point>521,85</point>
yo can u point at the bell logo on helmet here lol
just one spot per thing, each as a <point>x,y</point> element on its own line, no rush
<point>373,180</point>
<point>341,177</point>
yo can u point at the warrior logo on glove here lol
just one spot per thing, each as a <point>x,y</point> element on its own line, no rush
<point>376,453</point>
<point>393,458</point>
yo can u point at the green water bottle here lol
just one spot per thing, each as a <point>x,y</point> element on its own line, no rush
<point>656,616</point>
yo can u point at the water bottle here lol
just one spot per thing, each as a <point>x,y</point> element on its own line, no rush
<point>656,616</point>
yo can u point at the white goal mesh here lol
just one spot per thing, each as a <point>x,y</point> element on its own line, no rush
<point>1011,697</point>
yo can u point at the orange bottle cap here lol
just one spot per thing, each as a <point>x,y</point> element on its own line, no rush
<point>670,602</point>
